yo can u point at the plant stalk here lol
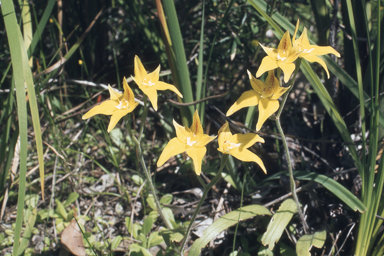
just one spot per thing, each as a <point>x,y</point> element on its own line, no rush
<point>206,189</point>
<point>285,144</point>
<point>151,186</point>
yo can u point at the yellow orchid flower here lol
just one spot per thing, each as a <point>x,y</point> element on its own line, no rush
<point>192,140</point>
<point>118,106</point>
<point>264,94</point>
<point>282,57</point>
<point>310,52</point>
<point>150,84</point>
<point>237,144</point>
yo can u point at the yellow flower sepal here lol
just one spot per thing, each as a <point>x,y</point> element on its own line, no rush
<point>282,57</point>
<point>191,140</point>
<point>264,94</point>
<point>310,52</point>
<point>150,84</point>
<point>236,145</point>
<point>118,106</point>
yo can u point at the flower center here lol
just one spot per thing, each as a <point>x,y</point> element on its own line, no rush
<point>191,142</point>
<point>267,92</point>
<point>122,104</point>
<point>280,57</point>
<point>227,146</point>
<point>149,83</point>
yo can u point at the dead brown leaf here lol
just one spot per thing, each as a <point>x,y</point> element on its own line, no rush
<point>72,239</point>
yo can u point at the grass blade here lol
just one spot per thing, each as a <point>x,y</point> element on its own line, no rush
<point>180,59</point>
<point>14,36</point>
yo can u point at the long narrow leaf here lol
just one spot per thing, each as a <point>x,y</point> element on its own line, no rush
<point>336,188</point>
<point>14,35</point>
<point>180,59</point>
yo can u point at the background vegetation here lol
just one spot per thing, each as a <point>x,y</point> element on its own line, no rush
<point>77,48</point>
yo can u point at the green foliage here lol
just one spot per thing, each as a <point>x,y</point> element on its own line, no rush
<point>205,48</point>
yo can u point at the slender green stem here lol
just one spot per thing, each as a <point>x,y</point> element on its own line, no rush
<point>241,205</point>
<point>201,181</point>
<point>278,124</point>
<point>152,187</point>
<point>145,113</point>
<point>206,189</point>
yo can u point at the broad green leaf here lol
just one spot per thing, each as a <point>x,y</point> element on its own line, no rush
<point>147,225</point>
<point>306,242</point>
<point>264,251</point>
<point>32,200</point>
<point>166,199</point>
<point>137,180</point>
<point>154,239</point>
<point>278,223</point>
<point>336,188</point>
<point>151,202</point>
<point>136,230</point>
<point>174,235</point>
<point>137,250</point>
<point>128,224</point>
<point>71,198</point>
<point>116,242</point>
<point>61,209</point>
<point>168,214</point>
<point>225,222</point>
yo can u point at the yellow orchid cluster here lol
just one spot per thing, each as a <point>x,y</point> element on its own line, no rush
<point>265,94</point>
<point>122,104</point>
<point>192,140</point>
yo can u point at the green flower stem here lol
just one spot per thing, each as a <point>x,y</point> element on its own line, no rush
<point>285,144</point>
<point>206,189</point>
<point>152,187</point>
<point>145,113</point>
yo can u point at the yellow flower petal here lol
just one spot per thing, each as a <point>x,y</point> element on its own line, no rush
<point>197,154</point>
<point>182,132</point>
<point>266,108</point>
<point>105,108</point>
<point>266,64</point>
<point>152,95</point>
<point>174,147</point>
<point>246,140</point>
<point>153,76</point>
<point>114,94</point>
<point>128,93</point>
<point>247,156</point>
<point>247,99</point>
<point>314,58</point>
<point>139,70</point>
<point>224,135</point>
<point>236,145</point>
<point>204,139</point>
<point>115,118</point>
<point>288,69</point>
<point>196,127</point>
<point>285,44</point>
<point>322,50</point>
<point>279,92</point>
<point>296,29</point>
<point>165,86</point>
<point>271,52</point>
<point>256,84</point>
